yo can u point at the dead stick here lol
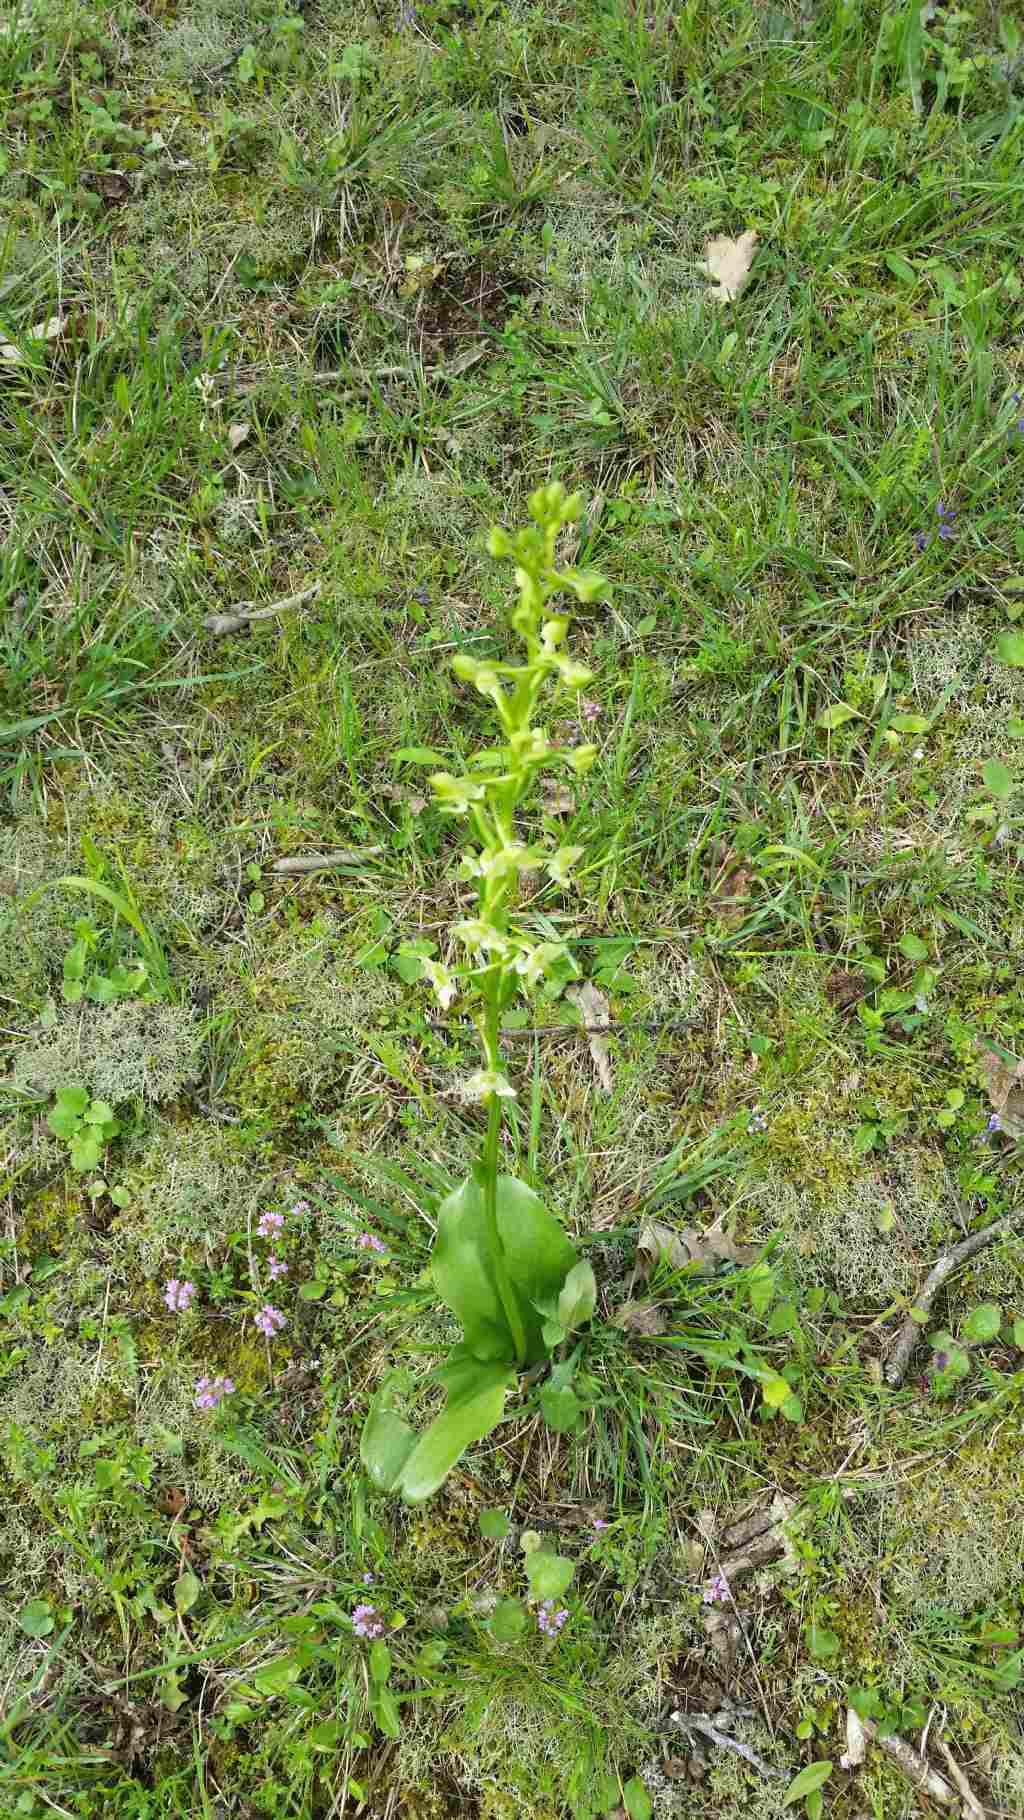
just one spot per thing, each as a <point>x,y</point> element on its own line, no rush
<point>245,613</point>
<point>698,1722</point>
<point>972,1805</point>
<point>915,1767</point>
<point>323,862</point>
<point>909,1333</point>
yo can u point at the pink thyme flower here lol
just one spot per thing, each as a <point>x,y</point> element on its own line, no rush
<point>178,1296</point>
<point>368,1241</point>
<point>277,1268</point>
<point>301,1207</point>
<point>599,1523</point>
<point>270,1320</point>
<point>591,710</point>
<point>367,1621</point>
<point>209,1392</point>
<point>270,1224</point>
<point>550,1621</point>
<point>716,1591</point>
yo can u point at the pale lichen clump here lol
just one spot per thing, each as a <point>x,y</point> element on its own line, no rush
<point>954,1534</point>
<point>128,1050</point>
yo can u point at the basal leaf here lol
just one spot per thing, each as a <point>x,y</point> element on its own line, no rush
<point>386,1441</point>
<point>462,1421</point>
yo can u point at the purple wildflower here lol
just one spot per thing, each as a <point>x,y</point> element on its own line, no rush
<point>301,1207</point>
<point>600,1523</point>
<point>367,1621</point>
<point>367,1579</point>
<point>178,1296</point>
<point>920,541</point>
<point>269,1320</point>
<point>270,1224</point>
<point>946,520</point>
<point>940,1360</point>
<point>209,1392</point>
<point>550,1621</point>
<point>276,1267</point>
<point>994,1123</point>
<point>368,1241</point>
<point>590,710</point>
<point>716,1591</point>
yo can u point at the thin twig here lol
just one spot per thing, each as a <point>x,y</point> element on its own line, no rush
<point>916,1768</point>
<point>896,1369</point>
<point>322,862</point>
<point>700,1722</point>
<point>220,624</point>
<point>972,1806</point>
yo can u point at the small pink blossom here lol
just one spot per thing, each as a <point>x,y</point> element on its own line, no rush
<point>178,1296</point>
<point>276,1267</point>
<point>550,1621</point>
<point>270,1224</point>
<point>591,710</point>
<point>599,1523</point>
<point>367,1621</point>
<point>716,1591</point>
<point>368,1241</point>
<point>301,1207</point>
<point>270,1320</point>
<point>209,1392</point>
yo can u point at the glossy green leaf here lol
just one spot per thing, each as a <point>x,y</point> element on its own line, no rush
<point>386,1441</point>
<point>983,1323</point>
<point>463,1420</point>
<point>560,1409</point>
<point>577,1296</point>
<point>380,1663</point>
<point>837,716</point>
<point>910,723</point>
<point>814,1776</point>
<point>549,1574</point>
<point>538,1257</point>
<point>1010,646</point>
<point>385,1710</point>
<point>187,1589</point>
<point>494,1524</point>
<point>36,1618</point>
<point>997,779</point>
<point>508,1621</point>
<point>913,947</point>
<point>636,1800</point>
<point>822,1642</point>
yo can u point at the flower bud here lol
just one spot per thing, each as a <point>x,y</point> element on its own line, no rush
<point>554,630</point>
<point>581,758</point>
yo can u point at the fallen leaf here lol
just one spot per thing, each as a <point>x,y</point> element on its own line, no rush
<point>728,262</point>
<point>558,800</point>
<point>173,1502</point>
<point>237,434</point>
<point>682,1249</point>
<point>731,889</point>
<point>51,330</point>
<point>113,186</point>
<point>644,1318</point>
<point>844,988</point>
<point>1004,1084</point>
<point>856,1741</point>
<point>593,1008</point>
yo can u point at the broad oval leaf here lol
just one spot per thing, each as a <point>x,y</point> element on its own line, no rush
<point>508,1621</point>
<point>463,1420</point>
<point>549,1574</point>
<point>636,1800</point>
<point>998,780</point>
<point>386,1441</point>
<point>578,1296</point>
<point>494,1524</point>
<point>1010,646</point>
<point>538,1257</point>
<point>837,716</point>
<point>983,1323</point>
<point>560,1409</point>
<point>814,1776</point>
<point>187,1589</point>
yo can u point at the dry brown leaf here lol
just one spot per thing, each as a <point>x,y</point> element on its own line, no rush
<point>51,330</point>
<point>1004,1084</point>
<point>558,800</point>
<point>237,434</point>
<point>644,1318</point>
<point>856,1741</point>
<point>728,262</point>
<point>731,890</point>
<point>688,1247</point>
<point>113,186</point>
<point>593,1008</point>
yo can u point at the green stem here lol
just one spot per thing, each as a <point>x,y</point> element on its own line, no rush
<point>490,1173</point>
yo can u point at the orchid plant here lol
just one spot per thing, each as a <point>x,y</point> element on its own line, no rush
<point>501,1262</point>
